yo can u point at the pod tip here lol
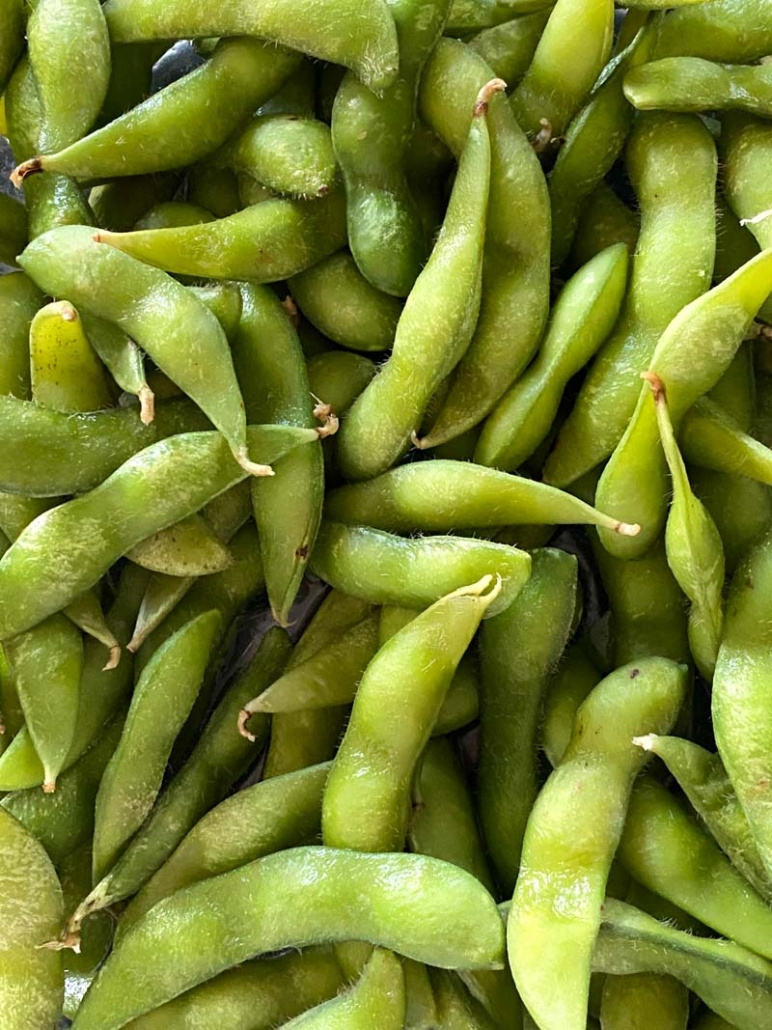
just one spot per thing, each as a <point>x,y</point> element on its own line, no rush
<point>254,468</point>
<point>49,787</point>
<point>420,442</point>
<point>244,716</point>
<point>25,169</point>
<point>647,742</point>
<point>114,658</point>
<point>627,528</point>
<point>485,94</point>
<point>146,405</point>
<point>656,384</point>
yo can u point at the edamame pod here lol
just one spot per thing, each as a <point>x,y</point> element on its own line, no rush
<point>603,221</point>
<point>13,228</point>
<point>629,1002</point>
<point>360,36</point>
<point>12,37</point>
<point>571,683</point>
<point>421,907</point>
<point>80,968</point>
<point>188,548</point>
<point>160,704</point>
<point>416,572</point>
<point>442,495</point>
<point>582,317</point>
<point>376,999</point>
<point>19,300</point>
<point>31,908</point>
<point>726,30</point>
<point>436,324</point>
<point>66,373</point>
<point>156,135</point>
<point>367,797</point>
<point>746,145</point>
<point>572,835</point>
<point>692,84</point>
<point>509,48</point>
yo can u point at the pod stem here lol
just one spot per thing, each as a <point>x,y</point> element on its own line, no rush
<point>543,137</point>
<point>254,468</point>
<point>114,657</point>
<point>245,715</point>
<point>146,404</point>
<point>647,742</point>
<point>324,414</point>
<point>25,169</point>
<point>484,96</point>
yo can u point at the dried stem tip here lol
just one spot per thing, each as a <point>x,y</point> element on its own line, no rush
<point>656,384</point>
<point>485,94</point>
<point>244,716</point>
<point>25,169</point>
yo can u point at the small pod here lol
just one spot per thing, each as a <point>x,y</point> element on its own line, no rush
<point>188,548</point>
<point>19,300</point>
<point>428,910</point>
<point>66,373</point>
<point>124,360</point>
<point>509,48</point>
<point>746,145</point>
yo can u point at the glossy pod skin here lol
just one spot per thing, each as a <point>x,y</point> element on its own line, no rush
<point>361,37</point>
<point>691,84</point>
<point>69,532</point>
<point>515,290</point>
<point>108,283</point>
<point>725,315</point>
<point>731,980</point>
<point>367,798</point>
<point>711,439</point>
<point>746,143</point>
<point>32,984</point>
<point>442,495</point>
<point>337,299</point>
<point>278,813</point>
<point>293,235</point>
<point>414,572</point>
<point>158,134</point>
<point>67,454</point>
<point>19,300</point>
<point>582,317</point>
<point>437,321</point>
<point>672,163</point>
<point>572,835</point>
<point>519,650</point>
<point>423,908</point>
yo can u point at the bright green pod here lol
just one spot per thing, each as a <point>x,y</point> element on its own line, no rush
<point>360,36</point>
<point>570,684</point>
<point>746,146</point>
<point>666,850</point>
<point>31,912</point>
<point>723,315</point>
<point>46,663</point>
<point>508,49</point>
<point>258,995</point>
<point>336,298</point>
<point>337,378</point>
<point>224,301</point>
<point>297,96</point>
<point>293,235</point>
<point>65,371</point>
<point>692,84</point>
<point>515,292</point>
<point>123,359</point>
<point>12,21</point>
<point>574,47</point>
<point>519,650</point>
<point>726,30</point>
<point>703,779</point>
<point>278,813</point>
<point>13,229</point>
<point>174,328</point>
<point>740,507</point>
<point>160,704</point>
<point>671,159</point>
<point>437,321</point>
<point>80,968</point>
<point>19,300</point>
<point>376,999</point>
<point>572,834</point>
<point>155,136</point>
<point>48,454</point>
<point>413,573</point>
<point>371,135</point>
<point>727,977</point>
<point>472,15</point>
<point>71,91</point>
<point>288,154</point>
<point>271,370</point>
<point>188,548</point>
<point>641,1000</point>
<point>693,547</point>
<point>603,221</point>
<point>367,799</point>
<point>582,318</point>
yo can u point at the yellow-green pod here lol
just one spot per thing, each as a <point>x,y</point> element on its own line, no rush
<point>66,373</point>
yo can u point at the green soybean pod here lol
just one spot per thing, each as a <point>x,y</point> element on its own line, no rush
<point>425,909</point>
<point>515,291</point>
<point>131,77</point>
<point>79,968</point>
<point>269,816</point>
<point>19,300</point>
<point>672,162</point>
<point>731,980</point>
<point>338,377</point>
<point>565,65</point>
<point>468,16</point>
<point>123,359</point>
<point>367,797</point>
<point>581,320</point>
<point>361,37</point>
<point>119,203</point>
<point>724,313</point>
<point>258,995</point>
<point>572,834</point>
<point>376,999</point>
<point>436,324</point>
<point>413,573</point>
<point>188,548</point>
<point>708,1020</point>
<point>703,779</point>
<point>508,49</point>
<point>336,298</point>
<point>108,283</point>
<point>46,663</point>
<point>371,135</point>
<point>160,704</point>
<point>12,37</point>
<point>171,214</point>
<point>13,229</point>
<point>155,136</point>
<point>519,650</point>
<point>693,84</point>
<point>641,1000</point>
<point>746,145</point>
<point>740,507</point>
<point>693,547</point>
<point>32,982</point>
<point>726,30</point>
<point>270,366</point>
<point>71,92</point>
<point>570,684</point>
<point>603,221</point>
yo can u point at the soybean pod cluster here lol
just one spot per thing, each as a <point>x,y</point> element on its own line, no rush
<point>386,515</point>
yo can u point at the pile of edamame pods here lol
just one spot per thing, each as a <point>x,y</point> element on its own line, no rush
<point>386,516</point>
